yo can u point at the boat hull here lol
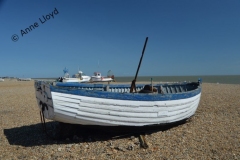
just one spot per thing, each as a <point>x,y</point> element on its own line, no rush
<point>76,80</point>
<point>88,107</point>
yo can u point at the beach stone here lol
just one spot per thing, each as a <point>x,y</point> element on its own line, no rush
<point>131,147</point>
<point>121,148</point>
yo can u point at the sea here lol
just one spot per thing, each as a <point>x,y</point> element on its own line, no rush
<point>230,79</point>
<point>219,79</point>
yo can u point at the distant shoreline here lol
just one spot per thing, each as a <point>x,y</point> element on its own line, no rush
<point>222,79</point>
<point>225,79</point>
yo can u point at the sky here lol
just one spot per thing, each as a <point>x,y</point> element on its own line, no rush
<point>185,37</point>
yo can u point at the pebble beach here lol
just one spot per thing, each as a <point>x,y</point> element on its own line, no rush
<point>212,133</point>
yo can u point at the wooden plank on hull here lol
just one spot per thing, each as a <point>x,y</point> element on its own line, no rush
<point>65,99</point>
<point>66,104</point>
<point>131,119</point>
<point>118,113</point>
<point>124,108</point>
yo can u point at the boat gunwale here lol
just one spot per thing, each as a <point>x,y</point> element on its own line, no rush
<point>129,96</point>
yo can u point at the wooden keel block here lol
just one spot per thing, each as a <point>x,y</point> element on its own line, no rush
<point>143,142</point>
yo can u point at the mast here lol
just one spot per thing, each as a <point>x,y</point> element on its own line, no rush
<point>133,85</point>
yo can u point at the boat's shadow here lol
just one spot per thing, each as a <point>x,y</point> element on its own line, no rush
<point>33,135</point>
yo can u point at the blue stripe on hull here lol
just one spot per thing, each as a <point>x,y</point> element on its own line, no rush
<point>126,96</point>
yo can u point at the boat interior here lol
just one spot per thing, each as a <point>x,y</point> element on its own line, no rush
<point>140,88</point>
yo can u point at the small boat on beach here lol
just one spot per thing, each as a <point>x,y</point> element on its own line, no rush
<point>99,78</point>
<point>79,77</point>
<point>118,104</point>
<point>114,105</point>
<point>1,80</point>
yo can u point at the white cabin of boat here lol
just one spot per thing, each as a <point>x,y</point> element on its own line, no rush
<point>78,77</point>
<point>99,78</point>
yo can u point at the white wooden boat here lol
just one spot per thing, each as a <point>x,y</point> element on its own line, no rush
<point>99,78</point>
<point>114,105</point>
<point>80,77</point>
<point>1,80</point>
